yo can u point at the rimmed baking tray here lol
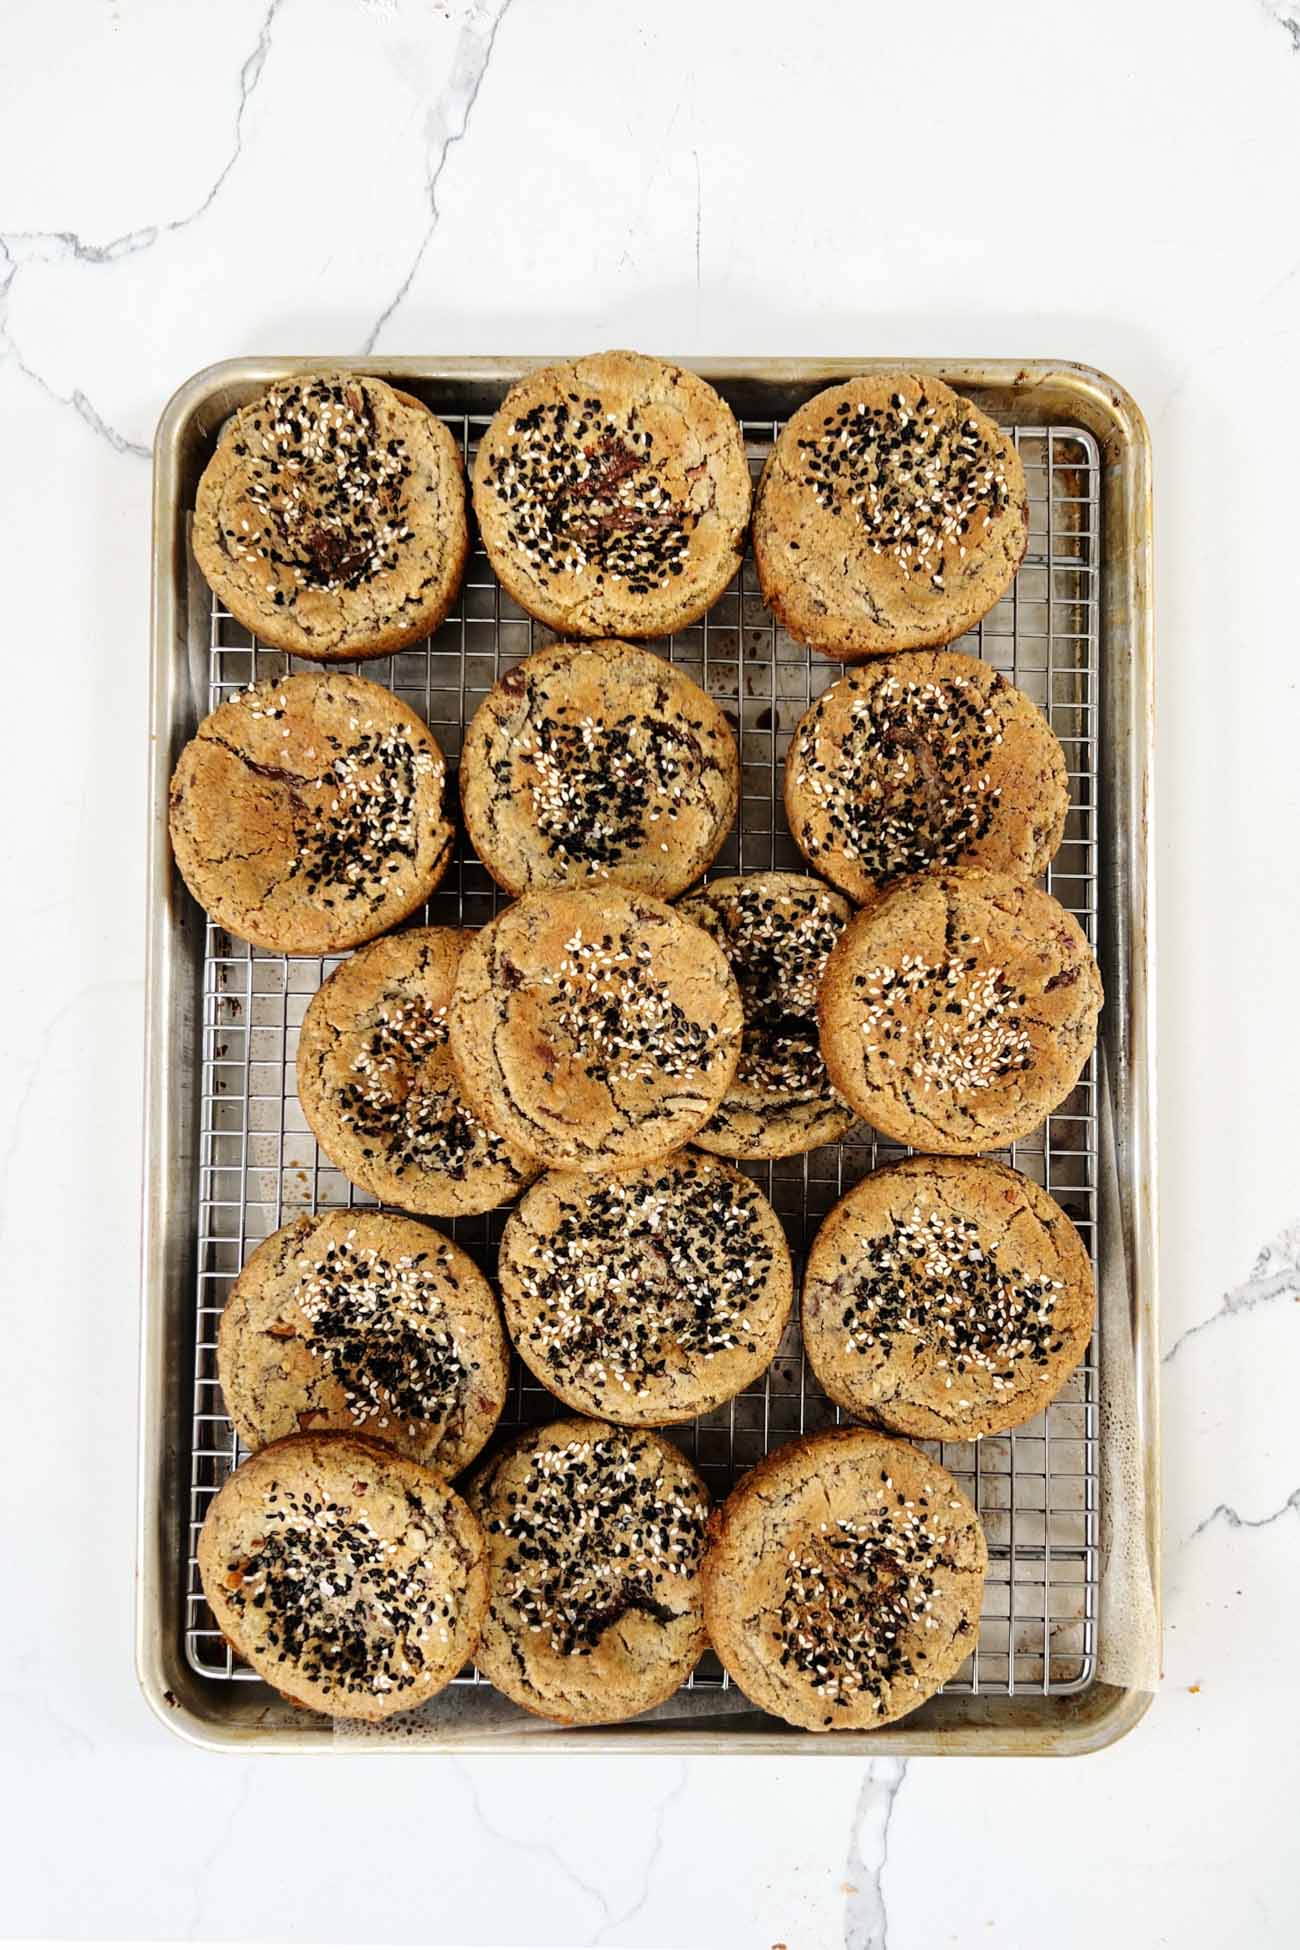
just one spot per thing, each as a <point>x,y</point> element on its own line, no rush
<point>228,1157</point>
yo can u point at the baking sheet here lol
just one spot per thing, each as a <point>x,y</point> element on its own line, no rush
<point>256,1165</point>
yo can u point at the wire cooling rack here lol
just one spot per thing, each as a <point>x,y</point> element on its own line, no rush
<point>1036,1488</point>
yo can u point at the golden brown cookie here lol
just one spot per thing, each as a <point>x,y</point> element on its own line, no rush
<point>366,1322</point>
<point>594,1030</point>
<point>349,1577</point>
<point>931,759</point>
<point>648,1296</point>
<point>307,813</point>
<point>776,930</point>
<point>378,1089</point>
<point>892,515</point>
<point>958,1010</point>
<point>595,1536</point>
<point>946,1298</point>
<point>843,1580</point>
<point>613,495</point>
<point>331,519</point>
<point>598,761</point>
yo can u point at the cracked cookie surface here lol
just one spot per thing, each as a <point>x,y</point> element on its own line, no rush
<point>613,495</point>
<point>958,1010</point>
<point>595,1536</point>
<point>378,1088</point>
<point>331,519</point>
<point>892,515</point>
<point>931,759</point>
<point>843,1580</point>
<point>594,1030</point>
<point>352,1579</point>
<point>592,762</point>
<point>647,1296</point>
<point>363,1321</point>
<point>947,1298</point>
<point>307,815</point>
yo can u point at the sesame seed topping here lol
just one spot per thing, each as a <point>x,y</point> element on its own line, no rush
<point>582,493</point>
<point>620,1020</point>
<point>931,1286</point>
<point>952,1026</point>
<point>596,788</point>
<point>906,785</point>
<point>403,1095</point>
<point>328,491</point>
<point>777,945</point>
<point>642,1272</point>
<point>857,1595</point>
<point>596,1529</point>
<point>322,1588</point>
<point>365,824</point>
<point>380,1327</point>
<point>916,474</point>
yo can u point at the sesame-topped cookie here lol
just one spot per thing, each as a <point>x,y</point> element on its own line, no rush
<point>613,495</point>
<point>598,761</point>
<point>594,1030</point>
<point>349,1577</point>
<point>378,1088</point>
<point>892,514</point>
<point>648,1296</point>
<point>776,930</point>
<point>958,1010</point>
<point>595,1536</point>
<point>331,519</point>
<point>364,1321</point>
<point>843,1580</point>
<point>946,1298</point>
<point>307,813</point>
<point>931,759</point>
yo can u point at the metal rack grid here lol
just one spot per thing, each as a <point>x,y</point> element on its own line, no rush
<point>1036,1488</point>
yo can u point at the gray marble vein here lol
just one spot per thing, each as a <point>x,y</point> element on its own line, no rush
<point>43,246</point>
<point>524,1846</point>
<point>652,1857</point>
<point>77,400</point>
<point>1287,16</point>
<point>866,1920</point>
<point>1274,1276</point>
<point>446,125</point>
<point>1224,1513</point>
<point>48,244</point>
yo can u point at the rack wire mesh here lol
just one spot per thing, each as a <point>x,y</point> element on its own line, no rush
<point>1036,1488</point>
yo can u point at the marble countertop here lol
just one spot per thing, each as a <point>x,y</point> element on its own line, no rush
<point>1113,184</point>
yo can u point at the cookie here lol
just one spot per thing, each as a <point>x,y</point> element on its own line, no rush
<point>331,519</point>
<point>598,761</point>
<point>931,759</point>
<point>946,1298</point>
<point>892,515</point>
<point>594,1030</point>
<point>776,930</point>
<point>307,813</point>
<point>613,495</point>
<point>843,1580</point>
<point>595,1536</point>
<point>649,1296</point>
<point>351,1578</point>
<point>958,1010</point>
<point>378,1089</point>
<point>366,1322</point>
